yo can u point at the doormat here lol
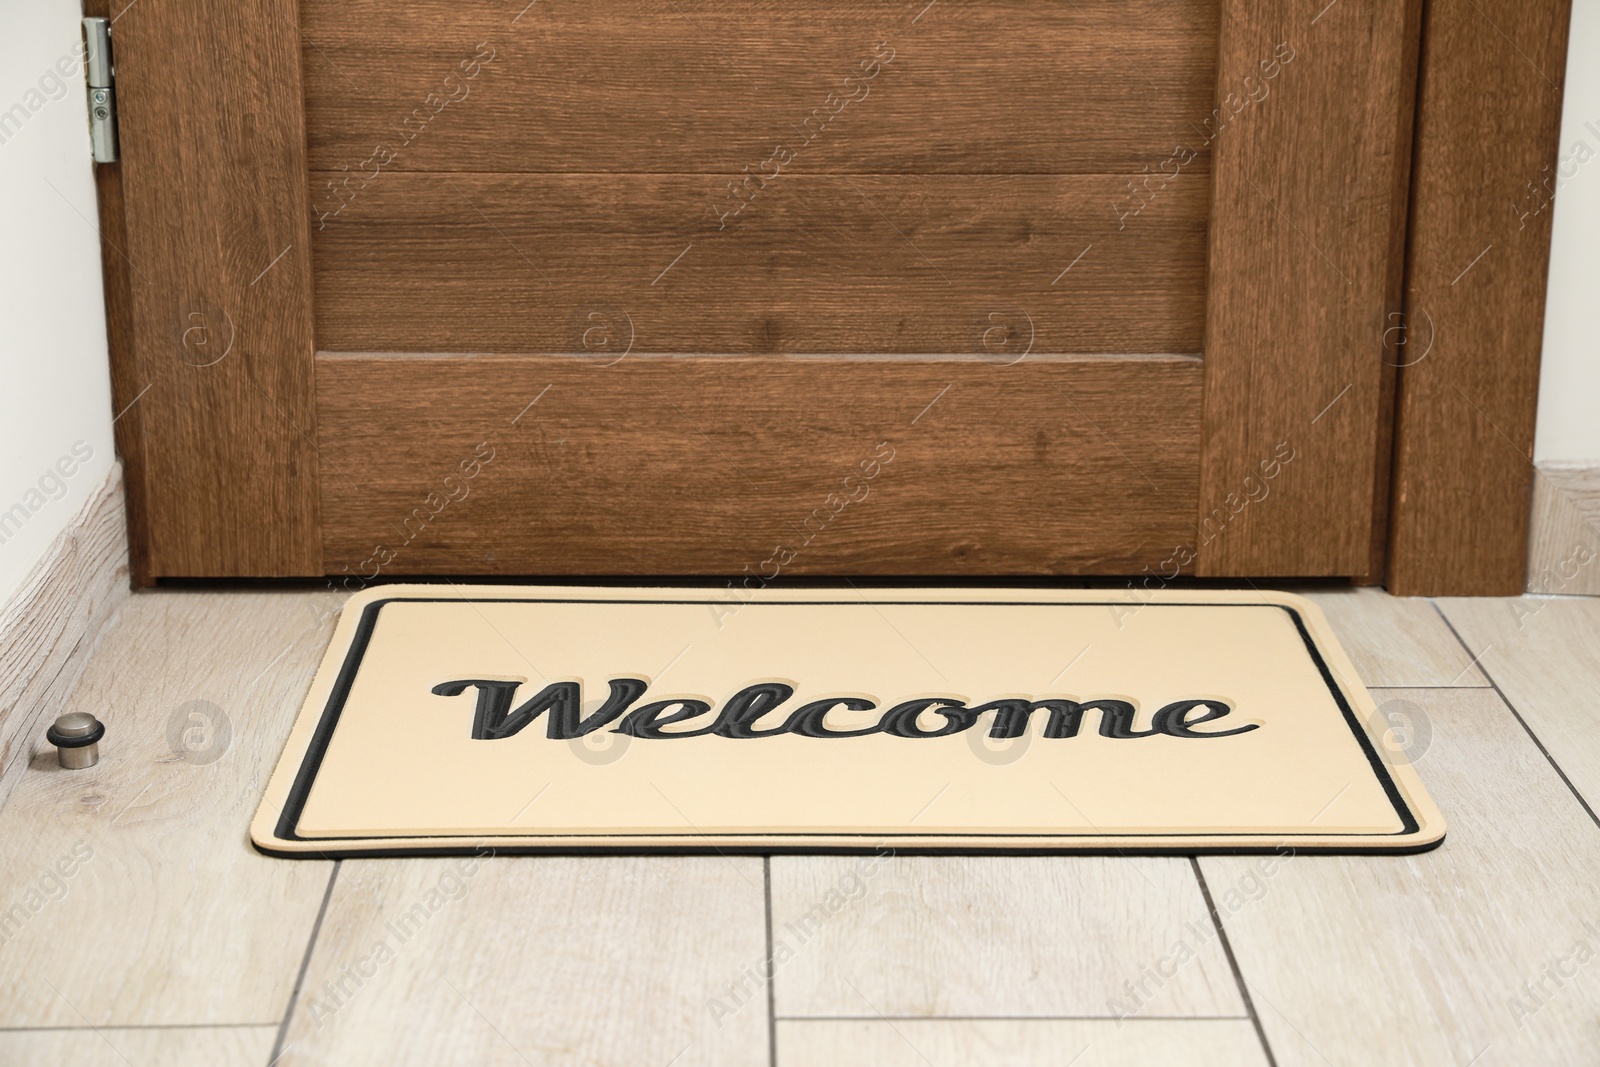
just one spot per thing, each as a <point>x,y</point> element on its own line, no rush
<point>447,719</point>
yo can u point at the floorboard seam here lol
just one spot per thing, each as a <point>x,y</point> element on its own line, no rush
<point>1233,962</point>
<point>772,969</point>
<point>1538,743</point>
<point>1485,685</point>
<point>305,965</point>
<point>136,1026</point>
<point>1012,1019</point>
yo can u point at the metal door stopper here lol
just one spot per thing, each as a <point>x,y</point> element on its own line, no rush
<point>76,736</point>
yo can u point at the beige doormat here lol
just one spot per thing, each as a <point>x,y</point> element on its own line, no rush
<point>447,719</point>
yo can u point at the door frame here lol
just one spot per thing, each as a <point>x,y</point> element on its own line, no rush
<point>1457,396</point>
<point>1473,318</point>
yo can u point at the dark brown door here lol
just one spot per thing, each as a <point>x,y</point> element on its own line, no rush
<point>693,287</point>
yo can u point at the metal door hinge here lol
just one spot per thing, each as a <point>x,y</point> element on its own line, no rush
<point>102,90</point>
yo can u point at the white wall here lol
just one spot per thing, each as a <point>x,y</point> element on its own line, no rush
<point>55,389</point>
<point>1569,381</point>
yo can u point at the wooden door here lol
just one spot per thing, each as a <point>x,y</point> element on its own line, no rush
<point>970,287</point>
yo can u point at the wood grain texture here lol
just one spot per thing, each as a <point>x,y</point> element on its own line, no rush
<point>562,960</point>
<point>52,624</point>
<point>852,264</point>
<point>190,925</point>
<point>1564,529</point>
<point>1372,960</point>
<point>695,86</point>
<point>1396,642</point>
<point>705,464</point>
<point>218,327</point>
<point>244,1046</point>
<point>1545,656</point>
<point>1004,1043</point>
<point>875,936</point>
<point>1307,202</point>
<point>1490,117</point>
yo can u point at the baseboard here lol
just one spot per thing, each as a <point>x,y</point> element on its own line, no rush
<point>1564,536</point>
<point>51,625</point>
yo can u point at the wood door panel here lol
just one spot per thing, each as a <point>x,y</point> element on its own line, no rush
<point>1307,230</point>
<point>696,86</point>
<point>215,349</point>
<point>708,465</point>
<point>826,264</point>
<point>568,183</point>
<point>1475,295</point>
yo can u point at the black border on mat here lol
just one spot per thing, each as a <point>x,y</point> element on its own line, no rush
<point>582,844</point>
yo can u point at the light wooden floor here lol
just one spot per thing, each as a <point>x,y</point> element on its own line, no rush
<point>150,933</point>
